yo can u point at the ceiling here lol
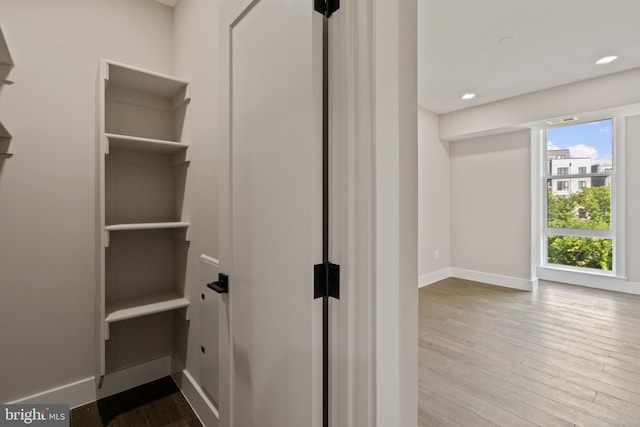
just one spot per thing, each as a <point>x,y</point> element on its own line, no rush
<point>503,48</point>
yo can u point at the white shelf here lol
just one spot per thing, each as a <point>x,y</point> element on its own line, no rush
<point>138,79</point>
<point>146,226</point>
<point>5,56</point>
<point>126,142</point>
<point>143,306</point>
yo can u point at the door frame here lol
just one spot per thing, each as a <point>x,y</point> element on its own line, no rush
<point>373,84</point>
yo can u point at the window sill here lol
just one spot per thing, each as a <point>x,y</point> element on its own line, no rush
<point>581,271</point>
<point>593,279</point>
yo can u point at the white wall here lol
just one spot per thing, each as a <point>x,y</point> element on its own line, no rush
<point>196,60</point>
<point>491,205</point>
<point>433,199</point>
<point>632,151</point>
<point>47,224</point>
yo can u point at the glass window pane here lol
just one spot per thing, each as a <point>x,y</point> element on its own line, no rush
<point>582,148</point>
<point>580,252</point>
<point>583,201</point>
<point>581,207</point>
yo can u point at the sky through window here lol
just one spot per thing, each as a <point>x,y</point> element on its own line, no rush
<point>587,140</point>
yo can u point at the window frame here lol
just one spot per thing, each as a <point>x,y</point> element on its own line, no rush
<point>540,229</point>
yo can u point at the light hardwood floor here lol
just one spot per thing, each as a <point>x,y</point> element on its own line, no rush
<point>560,356</point>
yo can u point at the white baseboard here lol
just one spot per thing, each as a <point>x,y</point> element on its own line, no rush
<point>75,394</point>
<point>478,276</point>
<point>496,279</point>
<point>590,280</point>
<point>84,391</point>
<point>433,277</point>
<point>200,401</point>
<point>534,283</point>
<point>134,376</point>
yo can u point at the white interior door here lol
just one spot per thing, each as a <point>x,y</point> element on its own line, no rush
<point>271,218</point>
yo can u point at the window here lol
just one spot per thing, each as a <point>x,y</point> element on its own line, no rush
<point>578,224</point>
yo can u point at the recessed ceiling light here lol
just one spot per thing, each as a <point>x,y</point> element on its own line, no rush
<point>468,96</point>
<point>606,60</point>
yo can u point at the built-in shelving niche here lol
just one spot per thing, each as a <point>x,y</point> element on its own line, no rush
<point>145,239</point>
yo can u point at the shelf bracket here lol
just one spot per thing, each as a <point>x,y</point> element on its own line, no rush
<point>185,313</point>
<point>182,234</point>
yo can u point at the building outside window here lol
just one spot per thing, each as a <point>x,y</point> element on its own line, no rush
<point>578,227</point>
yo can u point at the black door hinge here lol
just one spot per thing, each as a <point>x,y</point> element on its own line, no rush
<point>221,285</point>
<point>326,280</point>
<point>326,7</point>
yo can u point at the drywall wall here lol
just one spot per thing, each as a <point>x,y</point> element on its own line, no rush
<point>632,231</point>
<point>491,204</point>
<point>47,216</point>
<point>434,226</point>
<point>196,59</point>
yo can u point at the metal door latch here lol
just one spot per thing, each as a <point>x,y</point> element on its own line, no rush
<point>221,285</point>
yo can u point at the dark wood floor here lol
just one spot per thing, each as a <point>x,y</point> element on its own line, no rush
<point>560,356</point>
<point>156,404</point>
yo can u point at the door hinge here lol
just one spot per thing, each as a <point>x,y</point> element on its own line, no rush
<point>326,7</point>
<point>326,280</point>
